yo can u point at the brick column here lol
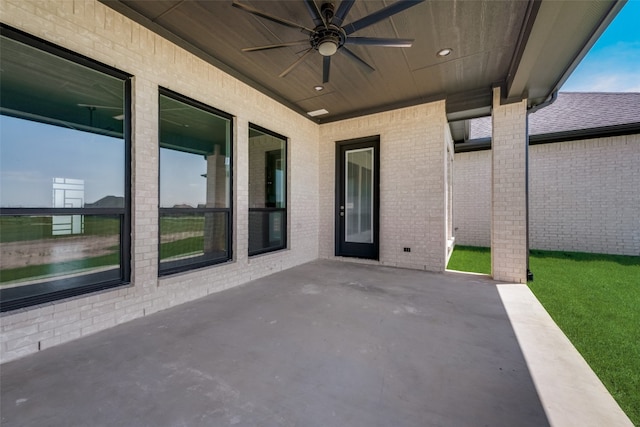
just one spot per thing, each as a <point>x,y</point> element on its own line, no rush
<point>508,191</point>
<point>144,185</point>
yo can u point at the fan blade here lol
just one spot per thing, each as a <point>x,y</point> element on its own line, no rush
<point>341,13</point>
<point>317,17</point>
<point>298,62</point>
<point>272,18</point>
<point>275,46</point>
<point>374,41</point>
<point>326,66</point>
<point>356,58</point>
<point>378,16</point>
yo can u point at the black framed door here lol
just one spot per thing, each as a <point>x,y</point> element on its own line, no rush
<point>357,197</point>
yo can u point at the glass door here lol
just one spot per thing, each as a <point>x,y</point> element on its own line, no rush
<point>357,173</point>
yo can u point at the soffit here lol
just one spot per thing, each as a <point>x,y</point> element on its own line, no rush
<point>521,45</point>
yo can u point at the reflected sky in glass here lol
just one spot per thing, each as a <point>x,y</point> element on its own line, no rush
<point>181,178</point>
<point>32,154</point>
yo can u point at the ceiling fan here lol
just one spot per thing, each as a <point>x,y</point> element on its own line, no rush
<point>329,35</point>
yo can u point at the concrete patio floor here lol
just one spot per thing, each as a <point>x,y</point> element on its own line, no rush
<point>324,344</point>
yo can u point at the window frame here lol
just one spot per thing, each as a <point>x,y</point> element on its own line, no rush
<point>170,270</point>
<point>285,236</point>
<point>56,289</point>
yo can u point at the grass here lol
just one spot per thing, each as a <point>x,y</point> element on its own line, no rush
<point>176,248</point>
<point>182,247</point>
<point>595,300</point>
<point>55,269</point>
<point>470,258</point>
<point>177,224</point>
<point>24,228</point>
<point>38,229</point>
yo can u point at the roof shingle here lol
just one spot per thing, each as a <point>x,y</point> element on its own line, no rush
<point>574,111</point>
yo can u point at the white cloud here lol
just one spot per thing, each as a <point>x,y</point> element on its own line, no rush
<point>613,81</point>
<point>615,68</point>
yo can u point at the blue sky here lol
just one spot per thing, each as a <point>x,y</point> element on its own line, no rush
<point>613,63</point>
<point>26,180</point>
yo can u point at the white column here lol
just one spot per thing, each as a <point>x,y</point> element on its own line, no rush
<point>509,147</point>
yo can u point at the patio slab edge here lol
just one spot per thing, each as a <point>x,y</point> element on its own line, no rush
<point>570,392</point>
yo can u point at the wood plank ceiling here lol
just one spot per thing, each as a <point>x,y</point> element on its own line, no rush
<point>488,38</point>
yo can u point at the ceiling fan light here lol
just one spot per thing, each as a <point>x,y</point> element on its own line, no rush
<point>327,48</point>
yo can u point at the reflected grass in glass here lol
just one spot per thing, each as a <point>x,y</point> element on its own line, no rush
<point>30,252</point>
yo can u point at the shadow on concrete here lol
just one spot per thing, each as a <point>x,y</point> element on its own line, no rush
<point>323,344</point>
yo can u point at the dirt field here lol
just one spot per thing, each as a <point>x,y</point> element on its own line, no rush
<point>36,252</point>
<point>49,251</point>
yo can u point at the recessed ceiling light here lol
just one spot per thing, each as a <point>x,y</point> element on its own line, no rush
<point>444,52</point>
<point>317,112</point>
<point>318,88</point>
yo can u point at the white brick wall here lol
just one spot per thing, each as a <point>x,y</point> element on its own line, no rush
<point>412,183</point>
<point>583,196</point>
<point>92,29</point>
<point>587,196</point>
<point>472,198</point>
<point>413,178</point>
<point>413,175</point>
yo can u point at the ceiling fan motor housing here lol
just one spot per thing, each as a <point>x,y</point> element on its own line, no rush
<point>327,39</point>
<point>323,38</point>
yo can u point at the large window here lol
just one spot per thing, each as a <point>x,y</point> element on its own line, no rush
<point>267,191</point>
<point>195,184</point>
<point>64,175</point>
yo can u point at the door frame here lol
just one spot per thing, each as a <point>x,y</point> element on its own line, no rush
<point>352,144</point>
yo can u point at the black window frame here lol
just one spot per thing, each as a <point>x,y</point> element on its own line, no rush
<point>180,267</point>
<point>285,237</point>
<point>56,289</point>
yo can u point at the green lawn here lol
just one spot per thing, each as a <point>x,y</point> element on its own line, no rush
<point>177,224</point>
<point>595,299</point>
<point>23,228</point>
<point>38,228</point>
<point>21,231</point>
<point>470,258</point>
<point>182,247</point>
<point>58,268</point>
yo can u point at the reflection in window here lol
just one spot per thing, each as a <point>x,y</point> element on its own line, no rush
<point>195,184</point>
<point>31,252</point>
<point>63,169</point>
<point>267,191</point>
<point>359,196</point>
<point>42,163</point>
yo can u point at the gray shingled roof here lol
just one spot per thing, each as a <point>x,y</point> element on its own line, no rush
<point>574,111</point>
